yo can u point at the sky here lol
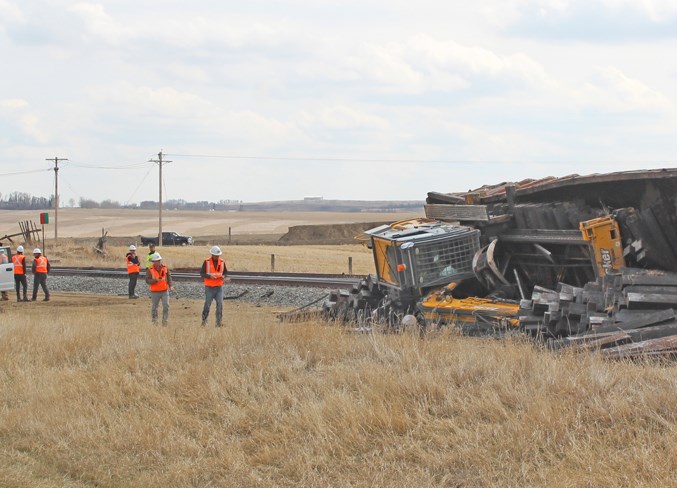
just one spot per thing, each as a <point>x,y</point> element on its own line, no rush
<point>346,99</point>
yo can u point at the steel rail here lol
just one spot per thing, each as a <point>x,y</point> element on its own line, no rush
<point>238,277</point>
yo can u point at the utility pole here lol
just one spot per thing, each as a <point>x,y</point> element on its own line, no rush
<point>56,194</point>
<point>159,162</point>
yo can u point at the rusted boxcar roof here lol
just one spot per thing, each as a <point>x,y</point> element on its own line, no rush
<point>624,187</point>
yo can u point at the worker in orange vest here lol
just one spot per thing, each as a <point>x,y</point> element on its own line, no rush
<point>160,280</point>
<point>40,268</point>
<point>20,281</point>
<point>214,273</point>
<point>133,269</point>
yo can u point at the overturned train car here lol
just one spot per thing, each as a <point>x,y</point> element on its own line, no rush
<point>482,255</point>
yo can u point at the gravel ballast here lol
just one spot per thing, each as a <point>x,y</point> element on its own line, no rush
<point>277,296</point>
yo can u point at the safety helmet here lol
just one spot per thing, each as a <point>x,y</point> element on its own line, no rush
<point>132,247</point>
<point>215,251</point>
<point>156,257</point>
<point>20,249</point>
<point>37,251</point>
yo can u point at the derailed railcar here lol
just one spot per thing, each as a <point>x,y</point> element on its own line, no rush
<point>507,256</point>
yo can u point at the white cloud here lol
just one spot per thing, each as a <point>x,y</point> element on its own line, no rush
<point>99,24</point>
<point>473,61</point>
<point>189,114</point>
<point>190,31</point>
<point>597,21</point>
<point>342,118</point>
<point>10,13</point>
<point>371,79</point>
<point>18,115</point>
<point>610,90</point>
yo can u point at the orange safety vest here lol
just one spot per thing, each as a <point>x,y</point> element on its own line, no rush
<point>159,275</point>
<point>220,267</point>
<point>41,264</point>
<point>131,267</point>
<point>18,260</point>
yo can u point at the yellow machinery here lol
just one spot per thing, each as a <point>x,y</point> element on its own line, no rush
<point>604,237</point>
<point>420,265</point>
<point>472,314</point>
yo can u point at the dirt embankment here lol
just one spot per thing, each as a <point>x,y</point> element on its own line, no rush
<point>327,234</point>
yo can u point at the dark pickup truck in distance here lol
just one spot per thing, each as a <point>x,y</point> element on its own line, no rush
<point>169,239</point>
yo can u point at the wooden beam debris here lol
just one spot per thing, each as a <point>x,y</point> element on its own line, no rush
<point>632,313</point>
<point>663,347</point>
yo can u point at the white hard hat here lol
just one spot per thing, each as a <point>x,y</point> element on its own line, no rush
<point>156,257</point>
<point>132,247</point>
<point>20,249</point>
<point>215,251</point>
<point>37,251</point>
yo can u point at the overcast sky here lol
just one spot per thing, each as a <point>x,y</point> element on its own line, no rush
<point>349,99</point>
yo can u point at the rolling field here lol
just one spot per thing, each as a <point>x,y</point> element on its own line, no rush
<point>92,395</point>
<point>79,230</point>
<point>76,222</point>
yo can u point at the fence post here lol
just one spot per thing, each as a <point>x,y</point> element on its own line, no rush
<point>350,265</point>
<point>272,263</point>
<point>229,235</point>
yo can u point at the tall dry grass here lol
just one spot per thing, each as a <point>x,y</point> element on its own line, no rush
<point>290,259</point>
<point>95,396</point>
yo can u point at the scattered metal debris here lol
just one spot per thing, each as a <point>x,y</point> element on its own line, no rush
<point>595,255</point>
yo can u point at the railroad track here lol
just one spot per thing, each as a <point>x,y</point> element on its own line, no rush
<point>236,277</point>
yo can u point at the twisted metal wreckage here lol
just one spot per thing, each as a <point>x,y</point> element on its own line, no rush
<point>580,261</point>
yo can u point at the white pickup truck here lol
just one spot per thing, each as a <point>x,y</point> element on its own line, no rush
<point>6,270</point>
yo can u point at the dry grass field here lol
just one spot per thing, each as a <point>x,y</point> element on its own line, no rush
<point>77,222</point>
<point>290,259</point>
<point>72,249</point>
<point>92,395</point>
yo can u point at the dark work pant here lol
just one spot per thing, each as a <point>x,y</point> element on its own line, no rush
<point>20,281</point>
<point>132,283</point>
<point>213,293</point>
<point>40,279</point>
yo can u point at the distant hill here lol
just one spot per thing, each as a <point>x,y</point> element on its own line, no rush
<point>321,205</point>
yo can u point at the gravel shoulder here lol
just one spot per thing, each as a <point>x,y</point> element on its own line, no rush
<point>277,296</point>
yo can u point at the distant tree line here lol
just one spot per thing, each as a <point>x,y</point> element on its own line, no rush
<point>177,204</point>
<point>24,201</point>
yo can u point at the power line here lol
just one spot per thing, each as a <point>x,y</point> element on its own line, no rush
<point>435,161</point>
<point>354,160</point>
<point>139,186</point>
<point>26,172</point>
<point>109,166</point>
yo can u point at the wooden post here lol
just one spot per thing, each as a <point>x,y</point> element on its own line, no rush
<point>510,196</point>
<point>229,234</point>
<point>350,265</point>
<point>272,263</point>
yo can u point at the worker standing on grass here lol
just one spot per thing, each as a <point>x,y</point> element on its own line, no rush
<point>214,273</point>
<point>149,256</point>
<point>20,280</point>
<point>133,269</point>
<point>40,269</point>
<point>160,280</point>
